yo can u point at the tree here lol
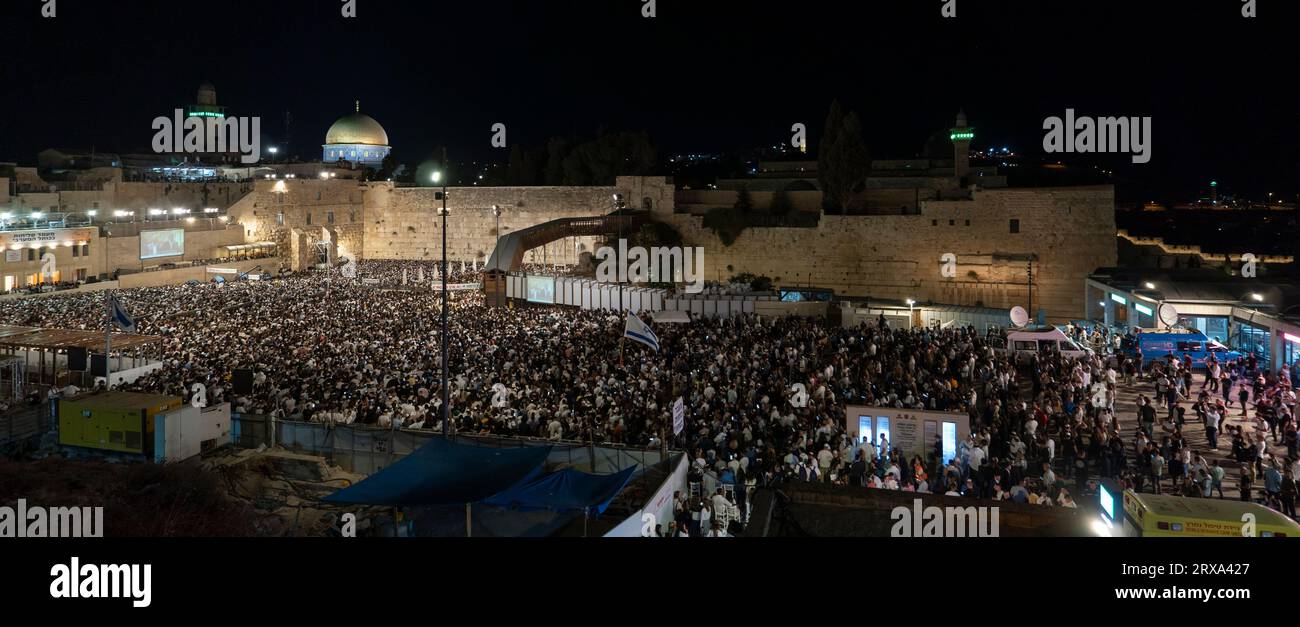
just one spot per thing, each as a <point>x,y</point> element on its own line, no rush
<point>556,150</point>
<point>780,204</point>
<point>522,170</point>
<point>386,168</point>
<point>843,161</point>
<point>744,203</point>
<point>830,134</point>
<point>600,161</point>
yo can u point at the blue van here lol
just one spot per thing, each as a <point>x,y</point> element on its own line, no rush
<point>1157,344</point>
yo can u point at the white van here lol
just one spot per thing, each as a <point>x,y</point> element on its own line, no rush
<point>1028,341</point>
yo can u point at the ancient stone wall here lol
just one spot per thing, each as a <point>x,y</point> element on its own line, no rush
<point>1071,231</point>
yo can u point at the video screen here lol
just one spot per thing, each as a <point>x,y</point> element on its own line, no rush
<point>541,289</point>
<point>159,244</point>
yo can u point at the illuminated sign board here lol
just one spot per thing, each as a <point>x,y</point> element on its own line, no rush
<point>1107,502</point>
<point>1119,299</point>
<point>1143,309</point>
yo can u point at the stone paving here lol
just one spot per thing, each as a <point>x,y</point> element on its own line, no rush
<point>1194,431</point>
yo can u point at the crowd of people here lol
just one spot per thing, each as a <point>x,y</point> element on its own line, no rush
<point>325,348</point>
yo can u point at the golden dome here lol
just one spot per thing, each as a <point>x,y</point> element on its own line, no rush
<point>357,128</point>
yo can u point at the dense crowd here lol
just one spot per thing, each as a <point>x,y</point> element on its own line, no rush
<point>331,349</point>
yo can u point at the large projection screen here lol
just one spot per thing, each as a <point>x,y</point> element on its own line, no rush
<point>159,244</point>
<point>541,289</point>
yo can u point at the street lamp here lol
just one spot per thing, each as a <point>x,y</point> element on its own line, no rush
<point>446,391</point>
<point>619,205</point>
<point>495,212</point>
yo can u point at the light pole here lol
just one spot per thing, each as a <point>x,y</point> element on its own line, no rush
<point>496,213</point>
<point>1030,273</point>
<point>618,209</point>
<point>446,391</point>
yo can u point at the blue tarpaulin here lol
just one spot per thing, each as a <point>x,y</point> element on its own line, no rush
<point>564,491</point>
<point>446,473</point>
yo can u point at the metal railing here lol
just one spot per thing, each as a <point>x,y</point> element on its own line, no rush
<point>24,424</point>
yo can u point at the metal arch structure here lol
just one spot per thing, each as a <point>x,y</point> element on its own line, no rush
<point>508,256</point>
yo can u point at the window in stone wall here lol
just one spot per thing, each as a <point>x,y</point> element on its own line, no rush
<point>647,204</point>
<point>934,223</point>
<point>76,252</point>
<point>968,223</point>
<point>352,216</point>
<point>279,219</point>
<point>329,217</point>
<point>85,250</point>
<point>1015,226</point>
<point>309,219</point>
<point>952,223</point>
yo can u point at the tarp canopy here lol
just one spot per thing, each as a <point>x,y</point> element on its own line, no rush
<point>564,491</point>
<point>443,472</point>
<point>671,317</point>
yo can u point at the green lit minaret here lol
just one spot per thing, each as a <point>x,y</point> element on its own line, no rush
<point>961,137</point>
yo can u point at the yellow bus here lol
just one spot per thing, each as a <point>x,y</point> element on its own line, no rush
<point>1155,515</point>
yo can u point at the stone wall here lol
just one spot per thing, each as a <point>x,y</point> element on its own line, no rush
<point>124,252</point>
<point>1071,230</point>
<point>403,223</point>
<point>273,210</point>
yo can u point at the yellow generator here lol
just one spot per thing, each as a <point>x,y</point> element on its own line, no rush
<point>120,422</point>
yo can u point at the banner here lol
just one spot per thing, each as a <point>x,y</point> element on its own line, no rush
<point>679,416</point>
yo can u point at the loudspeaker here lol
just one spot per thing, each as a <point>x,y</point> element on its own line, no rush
<point>242,381</point>
<point>77,359</point>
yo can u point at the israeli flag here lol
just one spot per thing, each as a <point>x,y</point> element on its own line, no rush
<point>121,318</point>
<point>638,331</point>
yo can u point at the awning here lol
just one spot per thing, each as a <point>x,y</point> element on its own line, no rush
<point>59,339</point>
<point>241,248</point>
<point>568,490</point>
<point>445,473</point>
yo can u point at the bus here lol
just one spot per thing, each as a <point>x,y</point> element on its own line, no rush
<point>1156,345</point>
<point>1134,515</point>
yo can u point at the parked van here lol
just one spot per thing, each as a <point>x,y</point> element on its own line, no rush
<point>1026,342</point>
<point>1157,344</point>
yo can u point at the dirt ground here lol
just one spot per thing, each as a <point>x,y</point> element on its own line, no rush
<point>227,493</point>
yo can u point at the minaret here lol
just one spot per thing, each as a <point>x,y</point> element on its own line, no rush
<point>961,137</point>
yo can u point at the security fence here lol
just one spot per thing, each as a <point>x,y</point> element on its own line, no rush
<point>365,449</point>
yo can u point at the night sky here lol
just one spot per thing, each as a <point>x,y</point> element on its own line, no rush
<point>703,76</point>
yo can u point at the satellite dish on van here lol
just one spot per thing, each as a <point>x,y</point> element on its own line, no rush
<point>1019,317</point>
<point>1168,314</point>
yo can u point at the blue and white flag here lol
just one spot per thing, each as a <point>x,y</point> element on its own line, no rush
<point>121,318</point>
<point>637,330</point>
